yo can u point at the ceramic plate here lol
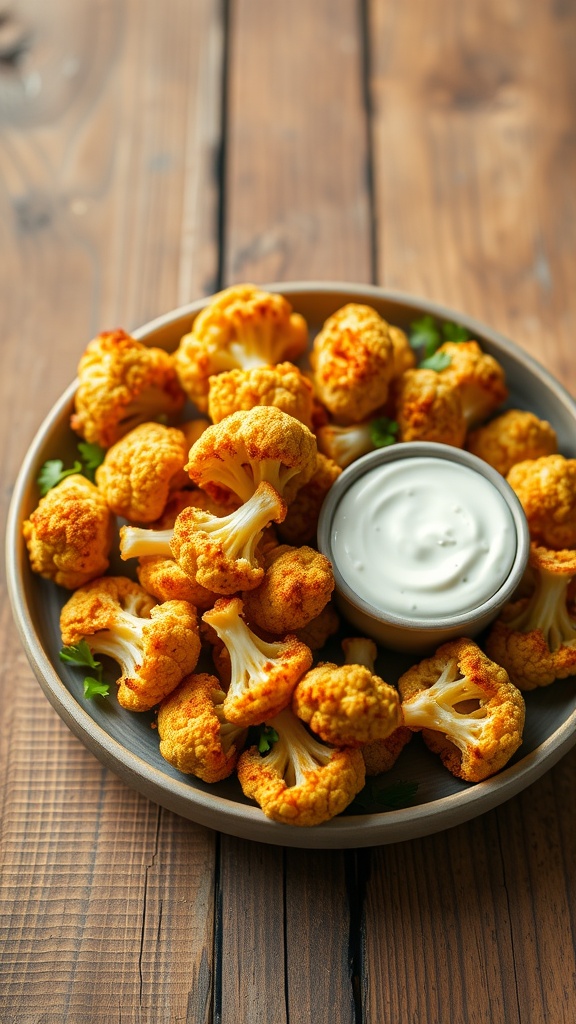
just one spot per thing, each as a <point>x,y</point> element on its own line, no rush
<point>124,741</point>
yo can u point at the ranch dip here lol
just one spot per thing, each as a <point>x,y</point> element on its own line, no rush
<point>423,538</point>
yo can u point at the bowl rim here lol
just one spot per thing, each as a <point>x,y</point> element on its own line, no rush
<point>211,809</point>
<point>442,452</point>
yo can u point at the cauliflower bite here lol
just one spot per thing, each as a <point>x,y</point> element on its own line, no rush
<point>353,362</point>
<point>296,586</point>
<point>514,436</point>
<point>69,535</point>
<point>466,707</point>
<point>404,355</point>
<point>343,445</point>
<point>156,645</point>
<point>218,552</point>
<point>242,327</point>
<point>346,705</point>
<point>319,630</point>
<point>262,675</point>
<point>122,383</point>
<point>142,469</point>
<point>380,755</point>
<point>251,446</point>
<point>300,781</point>
<point>534,638</point>
<point>428,407</point>
<point>194,735</point>
<point>546,488</point>
<point>282,386</point>
<point>479,378</point>
<point>301,522</point>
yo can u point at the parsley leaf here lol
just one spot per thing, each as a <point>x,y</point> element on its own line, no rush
<point>80,655</point>
<point>383,432</point>
<point>267,737</point>
<point>379,796</point>
<point>92,456</point>
<point>52,472</point>
<point>425,335</point>
<point>455,332</point>
<point>438,361</point>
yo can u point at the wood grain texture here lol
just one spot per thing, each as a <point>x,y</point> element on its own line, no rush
<point>148,154</point>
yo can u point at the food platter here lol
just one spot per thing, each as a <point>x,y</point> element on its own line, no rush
<point>126,742</point>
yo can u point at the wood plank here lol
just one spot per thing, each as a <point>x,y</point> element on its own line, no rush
<point>109,124</point>
<point>475,160</point>
<point>297,207</point>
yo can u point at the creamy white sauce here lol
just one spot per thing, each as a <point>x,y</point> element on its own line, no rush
<point>423,538</point>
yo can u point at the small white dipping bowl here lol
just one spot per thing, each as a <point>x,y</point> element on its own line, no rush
<point>417,563</point>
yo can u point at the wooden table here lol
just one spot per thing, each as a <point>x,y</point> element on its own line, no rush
<point>151,152</point>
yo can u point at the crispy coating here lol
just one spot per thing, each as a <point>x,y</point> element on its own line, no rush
<point>428,407</point>
<point>353,358</point>
<point>301,781</point>
<point>251,446</point>
<point>194,735</point>
<point>141,470</point>
<point>70,534</point>
<point>467,708</point>
<point>262,675</point>
<point>156,645</point>
<point>122,383</point>
<point>282,386</point>
<point>514,436</point>
<point>534,638</point>
<point>546,488</point>
<point>296,586</point>
<point>479,377</point>
<point>381,755</point>
<point>301,523</point>
<point>347,705</point>
<point>404,355</point>
<point>316,632</point>
<point>220,552</point>
<point>241,327</point>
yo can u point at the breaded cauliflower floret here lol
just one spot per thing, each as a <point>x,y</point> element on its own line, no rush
<point>160,575</point>
<point>319,630</point>
<point>343,445</point>
<point>242,327</point>
<point>353,359</point>
<point>262,675</point>
<point>194,735</point>
<point>251,446</point>
<point>69,535</point>
<point>428,407</point>
<point>467,708</point>
<point>296,586</point>
<point>300,781</point>
<point>218,552</point>
<point>301,523</point>
<point>546,488</point>
<point>379,755</point>
<point>282,386</point>
<point>514,436</point>
<point>534,638</point>
<point>122,383</point>
<point>141,470</point>
<point>347,705</point>
<point>156,645</point>
<point>479,377</point>
<point>404,354</point>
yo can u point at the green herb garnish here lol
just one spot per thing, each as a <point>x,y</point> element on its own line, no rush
<point>438,361</point>
<point>383,432</point>
<point>53,472</point>
<point>81,656</point>
<point>425,335</point>
<point>455,332</point>
<point>380,796</point>
<point>267,737</point>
